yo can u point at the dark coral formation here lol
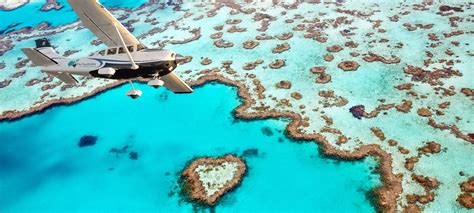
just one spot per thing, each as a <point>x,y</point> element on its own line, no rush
<point>330,99</point>
<point>348,65</point>
<point>118,151</point>
<point>465,198</point>
<point>284,85</point>
<point>5,83</point>
<point>285,36</point>
<point>429,184</point>
<point>410,163</point>
<point>454,130</point>
<point>18,74</point>
<point>235,29</point>
<point>252,65</point>
<point>267,131</point>
<point>250,153</point>
<point>334,48</point>
<point>281,48</point>
<point>221,43</point>
<point>318,70</point>
<point>323,78</point>
<point>216,35</point>
<point>430,147</point>
<point>358,111</point>
<point>378,133</point>
<point>405,106</point>
<point>133,155</point>
<point>250,44</point>
<point>206,61</point>
<point>328,57</point>
<point>87,140</point>
<point>277,64</point>
<point>431,77</point>
<point>445,8</point>
<point>371,57</point>
<point>468,92</point>
<point>51,5</point>
<point>424,112</point>
<point>296,95</point>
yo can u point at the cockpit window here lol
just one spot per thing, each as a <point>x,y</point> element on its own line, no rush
<point>140,47</point>
<point>102,52</point>
<point>121,50</point>
<point>130,48</point>
<point>112,51</point>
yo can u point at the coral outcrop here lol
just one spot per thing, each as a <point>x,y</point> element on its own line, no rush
<point>348,65</point>
<point>206,180</point>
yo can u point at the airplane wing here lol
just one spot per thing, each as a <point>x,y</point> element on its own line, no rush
<point>99,20</point>
<point>175,84</point>
<point>65,77</point>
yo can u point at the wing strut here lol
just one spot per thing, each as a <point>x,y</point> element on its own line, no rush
<point>134,66</point>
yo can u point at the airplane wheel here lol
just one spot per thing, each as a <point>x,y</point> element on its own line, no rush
<point>156,83</point>
<point>134,94</point>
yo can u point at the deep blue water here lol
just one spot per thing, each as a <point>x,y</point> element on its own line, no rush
<point>42,169</point>
<point>29,15</point>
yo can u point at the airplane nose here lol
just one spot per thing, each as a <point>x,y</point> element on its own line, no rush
<point>180,59</point>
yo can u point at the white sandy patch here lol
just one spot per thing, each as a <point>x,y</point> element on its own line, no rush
<point>214,177</point>
<point>12,4</point>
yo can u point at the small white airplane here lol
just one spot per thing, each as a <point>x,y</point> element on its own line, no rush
<point>125,59</point>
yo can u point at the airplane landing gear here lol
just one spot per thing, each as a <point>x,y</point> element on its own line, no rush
<point>156,83</point>
<point>134,93</point>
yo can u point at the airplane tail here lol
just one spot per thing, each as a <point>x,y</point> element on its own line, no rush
<point>44,55</point>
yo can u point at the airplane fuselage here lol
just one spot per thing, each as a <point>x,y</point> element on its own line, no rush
<point>151,62</point>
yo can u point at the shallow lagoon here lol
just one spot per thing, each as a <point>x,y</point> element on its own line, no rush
<point>43,169</point>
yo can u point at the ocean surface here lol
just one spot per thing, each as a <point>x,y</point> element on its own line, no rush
<point>42,168</point>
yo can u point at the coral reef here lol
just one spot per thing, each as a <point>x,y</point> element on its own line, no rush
<point>284,85</point>
<point>281,48</point>
<point>250,44</point>
<point>51,5</point>
<point>221,43</point>
<point>87,140</point>
<point>358,111</point>
<point>466,199</point>
<point>323,78</point>
<point>431,89</point>
<point>277,64</point>
<point>206,180</point>
<point>348,65</point>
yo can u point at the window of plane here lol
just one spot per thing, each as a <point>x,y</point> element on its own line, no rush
<point>140,47</point>
<point>121,50</point>
<point>112,51</point>
<point>102,52</point>
<point>130,48</point>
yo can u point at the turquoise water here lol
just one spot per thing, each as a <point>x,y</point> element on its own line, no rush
<point>30,15</point>
<point>43,169</point>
